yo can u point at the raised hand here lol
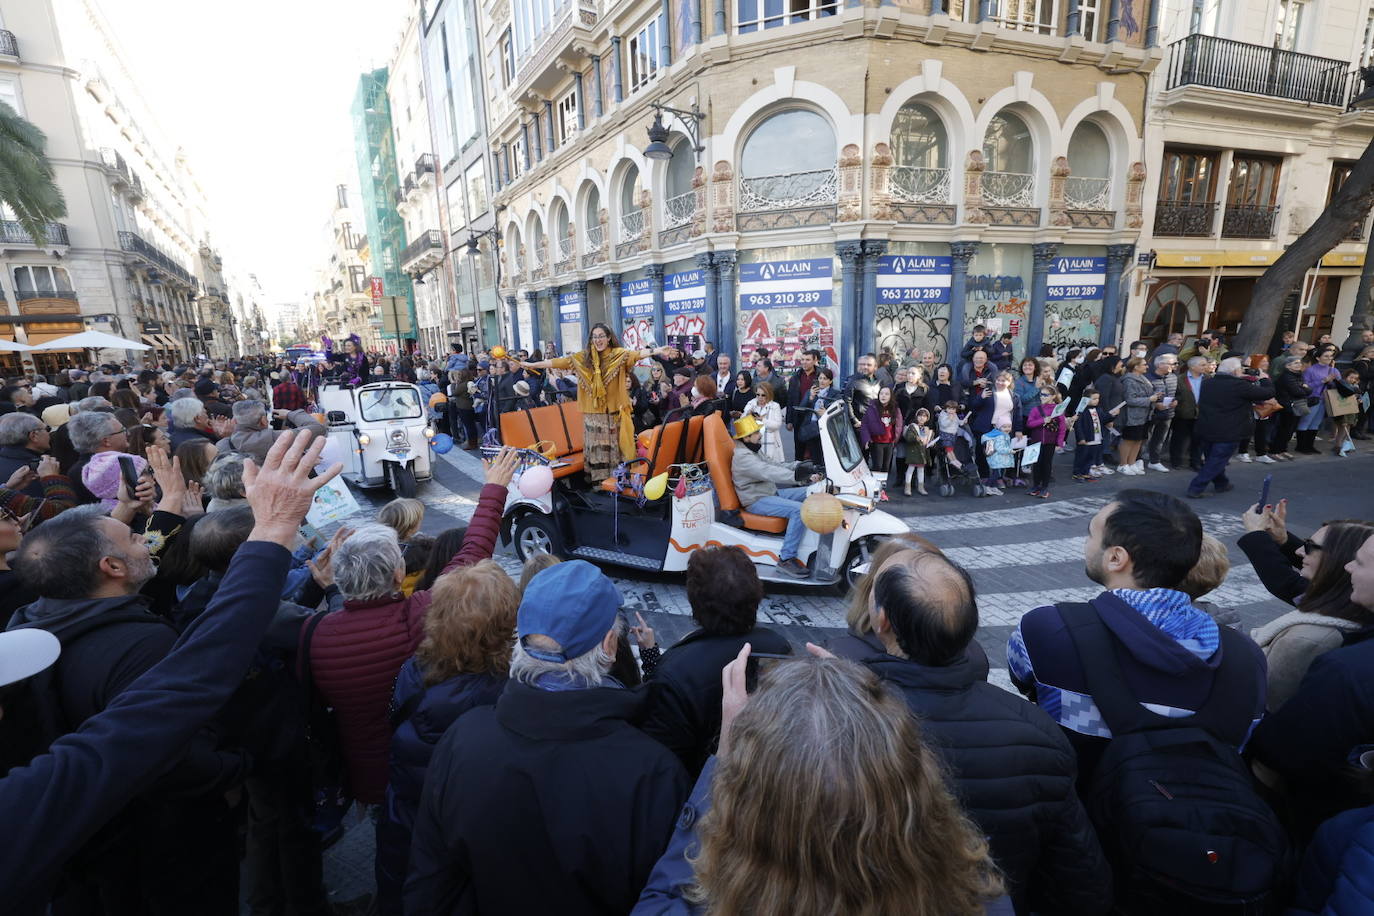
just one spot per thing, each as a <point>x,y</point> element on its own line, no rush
<point>501,469</point>
<point>48,466</point>
<point>643,633</point>
<point>21,478</point>
<point>280,492</point>
<point>734,697</point>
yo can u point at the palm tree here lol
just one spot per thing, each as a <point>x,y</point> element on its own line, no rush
<point>27,186</point>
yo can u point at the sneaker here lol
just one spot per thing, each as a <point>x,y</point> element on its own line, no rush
<point>1226,489</point>
<point>1043,494</point>
<point>1266,459</point>
<point>1033,493</point>
<point>1129,470</point>
<point>1139,465</point>
<point>794,568</point>
<point>1244,456</point>
<point>1156,466</point>
<point>1103,471</point>
<point>995,491</point>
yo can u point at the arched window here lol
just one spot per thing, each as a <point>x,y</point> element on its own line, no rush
<point>1173,308</point>
<point>539,243</point>
<point>679,204</point>
<point>592,233</point>
<point>788,162</point>
<point>920,156</point>
<point>561,224</point>
<point>1090,169</point>
<point>632,222</point>
<point>513,243</point>
<point>1010,153</point>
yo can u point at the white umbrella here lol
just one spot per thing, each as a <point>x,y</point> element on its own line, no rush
<point>91,340</point>
<point>12,346</point>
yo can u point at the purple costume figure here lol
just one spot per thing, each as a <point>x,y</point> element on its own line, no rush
<point>353,361</point>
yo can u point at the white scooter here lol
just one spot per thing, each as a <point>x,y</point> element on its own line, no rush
<point>382,433</point>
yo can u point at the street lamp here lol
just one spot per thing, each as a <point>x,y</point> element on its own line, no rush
<point>473,251</point>
<point>658,147</point>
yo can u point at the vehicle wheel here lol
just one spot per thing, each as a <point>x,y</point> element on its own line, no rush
<point>402,480</point>
<point>536,534</point>
<point>860,552</point>
<point>946,489</point>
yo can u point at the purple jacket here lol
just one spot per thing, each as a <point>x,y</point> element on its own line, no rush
<point>1315,376</point>
<point>1038,430</point>
<point>872,426</point>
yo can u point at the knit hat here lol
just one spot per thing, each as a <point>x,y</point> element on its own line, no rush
<point>572,603</point>
<point>101,476</point>
<point>205,387</point>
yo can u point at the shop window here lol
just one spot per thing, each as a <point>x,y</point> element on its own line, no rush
<point>920,155</point>
<point>788,161</point>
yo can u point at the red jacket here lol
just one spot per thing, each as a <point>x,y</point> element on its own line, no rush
<point>357,652</point>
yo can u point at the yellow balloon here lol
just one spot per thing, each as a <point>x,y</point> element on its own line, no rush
<point>655,487</point>
<point>498,352</point>
<point>822,513</point>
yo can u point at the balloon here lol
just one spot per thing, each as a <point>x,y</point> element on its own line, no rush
<point>438,397</point>
<point>656,486</point>
<point>498,352</point>
<point>536,481</point>
<point>681,490</point>
<point>822,513</point>
<point>442,442</point>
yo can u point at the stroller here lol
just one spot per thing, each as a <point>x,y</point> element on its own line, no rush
<point>946,476</point>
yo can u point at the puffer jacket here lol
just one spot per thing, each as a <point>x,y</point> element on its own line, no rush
<point>756,477</point>
<point>1137,390</point>
<point>431,710</point>
<point>257,442</point>
<point>357,652</point>
<point>1015,773</point>
<point>1337,875</point>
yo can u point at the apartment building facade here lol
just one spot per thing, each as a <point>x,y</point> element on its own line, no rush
<point>347,293</point>
<point>842,176</point>
<point>1250,134</point>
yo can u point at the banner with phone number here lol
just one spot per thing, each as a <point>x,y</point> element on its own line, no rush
<point>786,284</point>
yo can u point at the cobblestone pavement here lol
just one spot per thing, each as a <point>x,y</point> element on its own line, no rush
<point>1021,553</point>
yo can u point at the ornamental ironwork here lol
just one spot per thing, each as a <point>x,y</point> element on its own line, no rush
<point>918,185</point>
<point>1248,221</point>
<point>1185,219</point>
<point>1008,189</point>
<point>679,209</point>
<point>1084,193</point>
<point>790,191</point>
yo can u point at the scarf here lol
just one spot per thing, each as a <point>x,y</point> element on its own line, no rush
<point>597,374</point>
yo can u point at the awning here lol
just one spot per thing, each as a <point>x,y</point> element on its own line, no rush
<point>151,340</point>
<point>1343,259</point>
<point>37,337</point>
<point>1234,258</point>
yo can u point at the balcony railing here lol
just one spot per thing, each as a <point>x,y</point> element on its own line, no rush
<point>1202,60</point>
<point>132,242</point>
<point>679,209</point>
<point>424,164</point>
<point>1248,221</point>
<point>9,45</point>
<point>1185,219</point>
<point>541,254</point>
<point>632,225</point>
<point>790,191</point>
<point>565,249</point>
<point>919,185</point>
<point>431,240</point>
<point>66,295</point>
<point>12,232</point>
<point>1008,189</point>
<point>1084,193</point>
<point>594,238</point>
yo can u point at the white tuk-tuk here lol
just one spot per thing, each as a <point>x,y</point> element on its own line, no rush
<point>381,431</point>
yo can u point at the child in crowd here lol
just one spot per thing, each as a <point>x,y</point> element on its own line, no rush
<point>918,437</point>
<point>1347,386</point>
<point>951,427</point>
<point>997,446</point>
<point>882,426</point>
<point>1090,431</point>
<point>1018,451</point>
<point>1048,429</point>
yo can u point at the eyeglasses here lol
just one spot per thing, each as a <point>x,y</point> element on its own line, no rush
<point>1310,546</point>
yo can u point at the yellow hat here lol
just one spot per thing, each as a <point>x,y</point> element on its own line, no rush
<point>747,425</point>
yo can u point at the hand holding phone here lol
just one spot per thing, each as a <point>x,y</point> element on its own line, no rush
<point>129,472</point>
<point>1264,491</point>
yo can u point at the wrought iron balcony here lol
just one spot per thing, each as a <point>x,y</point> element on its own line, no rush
<point>424,252</point>
<point>1248,221</point>
<point>632,225</point>
<point>9,45</point>
<point>1220,63</point>
<point>424,164</point>
<point>133,243</point>
<point>679,209</point>
<point>409,185</point>
<point>1084,193</point>
<point>12,232</point>
<point>791,191</point>
<point>1185,219</point>
<point>1008,189</point>
<point>920,185</point>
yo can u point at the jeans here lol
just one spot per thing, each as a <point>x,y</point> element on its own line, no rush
<point>1044,465</point>
<point>1315,416</point>
<point>1158,440</point>
<point>1085,458</point>
<point>1218,455</point>
<point>786,504</point>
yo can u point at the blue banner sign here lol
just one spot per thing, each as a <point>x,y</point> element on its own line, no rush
<point>637,298</point>
<point>570,308</point>
<point>1077,278</point>
<point>684,293</point>
<point>914,278</point>
<point>786,284</point>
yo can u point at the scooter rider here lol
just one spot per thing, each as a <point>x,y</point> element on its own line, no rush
<point>768,488</point>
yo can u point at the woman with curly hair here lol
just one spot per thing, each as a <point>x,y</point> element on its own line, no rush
<point>462,663</point>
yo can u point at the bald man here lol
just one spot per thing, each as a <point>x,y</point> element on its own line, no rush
<point>1010,764</point>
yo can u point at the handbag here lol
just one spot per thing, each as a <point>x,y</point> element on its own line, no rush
<point>1300,407</point>
<point>1266,409</point>
<point>1341,405</point>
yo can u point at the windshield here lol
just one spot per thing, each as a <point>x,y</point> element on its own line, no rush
<point>389,404</point>
<point>842,438</point>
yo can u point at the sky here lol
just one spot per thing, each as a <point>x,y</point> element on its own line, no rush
<point>258,92</point>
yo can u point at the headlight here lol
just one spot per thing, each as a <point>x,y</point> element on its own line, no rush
<point>429,432</point>
<point>364,439</point>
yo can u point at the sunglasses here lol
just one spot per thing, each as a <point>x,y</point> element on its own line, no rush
<point>1310,546</point>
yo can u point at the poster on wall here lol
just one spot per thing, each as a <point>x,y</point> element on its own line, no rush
<point>997,296</point>
<point>1073,307</point>
<point>525,324</point>
<point>637,307</point>
<point>787,307</point>
<point>684,304</point>
<point>570,306</point>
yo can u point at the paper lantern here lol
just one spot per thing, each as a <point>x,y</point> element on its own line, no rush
<point>536,481</point>
<point>498,352</point>
<point>822,513</point>
<point>656,486</point>
<point>442,443</point>
<point>437,398</point>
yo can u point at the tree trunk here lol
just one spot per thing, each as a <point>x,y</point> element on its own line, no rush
<point>1347,208</point>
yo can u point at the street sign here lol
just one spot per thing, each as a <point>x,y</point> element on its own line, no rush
<point>396,316</point>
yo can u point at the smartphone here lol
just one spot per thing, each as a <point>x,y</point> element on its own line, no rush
<point>1264,491</point>
<point>129,473</point>
<point>760,663</point>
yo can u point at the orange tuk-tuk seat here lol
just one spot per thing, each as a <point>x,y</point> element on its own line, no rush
<point>720,455</point>
<point>559,423</point>
<point>661,451</point>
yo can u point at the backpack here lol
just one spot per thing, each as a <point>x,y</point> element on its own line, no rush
<point>1173,802</point>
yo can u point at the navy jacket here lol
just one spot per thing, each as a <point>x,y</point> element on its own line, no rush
<point>1337,876</point>
<point>1014,772</point>
<point>433,710</point>
<point>1225,409</point>
<point>551,801</point>
<point>53,805</point>
<point>982,403</point>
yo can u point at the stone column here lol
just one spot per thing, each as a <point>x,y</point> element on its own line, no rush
<point>513,322</point>
<point>1043,255</point>
<point>596,85</point>
<point>961,253</point>
<point>1059,177</point>
<point>665,34</point>
<point>850,310</point>
<point>614,309</point>
<point>581,101</point>
<point>984,10</point>
<point>874,249</point>
<point>707,263</point>
<point>655,275</point>
<point>1118,261</point>
<point>726,309</point>
<point>532,303</point>
<point>538,138</point>
<point>719,17</point>
<point>696,22</point>
<point>525,135</point>
<point>548,117</point>
<point>579,287</point>
<point>619,70</point>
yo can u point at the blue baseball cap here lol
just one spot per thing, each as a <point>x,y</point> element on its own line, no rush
<point>572,603</point>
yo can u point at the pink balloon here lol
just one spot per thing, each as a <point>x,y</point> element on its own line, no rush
<point>536,481</point>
